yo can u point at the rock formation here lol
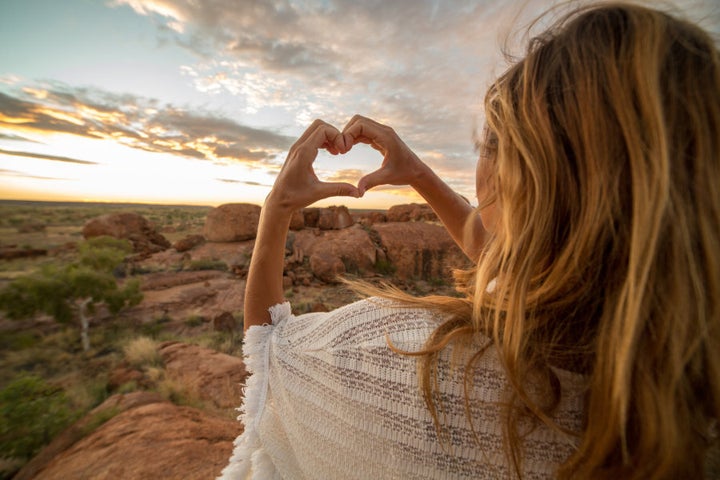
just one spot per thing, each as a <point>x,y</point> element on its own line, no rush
<point>311,216</point>
<point>334,218</point>
<point>11,252</point>
<point>188,243</point>
<point>130,226</point>
<point>369,218</point>
<point>297,222</point>
<point>333,252</point>
<point>213,376</point>
<point>412,212</point>
<point>420,250</point>
<point>149,438</point>
<point>232,222</point>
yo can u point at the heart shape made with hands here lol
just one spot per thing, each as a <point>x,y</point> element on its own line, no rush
<point>298,186</point>
<point>398,162</point>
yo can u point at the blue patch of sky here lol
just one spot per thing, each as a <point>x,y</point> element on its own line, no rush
<point>87,43</point>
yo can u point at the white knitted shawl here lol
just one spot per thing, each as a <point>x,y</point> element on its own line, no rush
<point>327,399</point>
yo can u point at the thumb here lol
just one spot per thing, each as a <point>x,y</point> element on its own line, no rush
<point>338,189</point>
<point>372,179</point>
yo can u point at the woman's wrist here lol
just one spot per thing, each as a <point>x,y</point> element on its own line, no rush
<point>278,205</point>
<point>422,177</point>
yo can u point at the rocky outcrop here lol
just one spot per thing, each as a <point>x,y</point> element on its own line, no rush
<point>311,216</point>
<point>334,252</point>
<point>297,221</point>
<point>225,322</point>
<point>109,408</point>
<point>164,280</point>
<point>419,250</point>
<point>334,218</point>
<point>188,243</point>
<point>179,296</point>
<point>369,218</point>
<point>326,266</point>
<point>150,438</point>
<point>232,222</point>
<point>11,252</point>
<point>130,226</point>
<point>412,212</point>
<point>213,376</point>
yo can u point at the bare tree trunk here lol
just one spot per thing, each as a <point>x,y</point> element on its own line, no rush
<point>84,324</point>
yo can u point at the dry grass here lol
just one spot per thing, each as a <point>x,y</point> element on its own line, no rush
<point>180,393</point>
<point>142,352</point>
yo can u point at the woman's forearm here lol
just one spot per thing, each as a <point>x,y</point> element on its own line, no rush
<point>401,166</point>
<point>295,187</point>
<point>264,281</point>
<point>453,211</point>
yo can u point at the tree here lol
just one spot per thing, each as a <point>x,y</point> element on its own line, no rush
<point>71,292</point>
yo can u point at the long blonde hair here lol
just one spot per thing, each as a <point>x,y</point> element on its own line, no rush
<point>607,253</point>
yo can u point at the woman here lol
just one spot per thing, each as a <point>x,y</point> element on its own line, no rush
<point>588,345</point>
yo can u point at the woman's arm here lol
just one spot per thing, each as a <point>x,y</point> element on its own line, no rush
<point>402,167</point>
<point>296,187</point>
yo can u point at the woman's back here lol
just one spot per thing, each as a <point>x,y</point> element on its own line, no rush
<point>339,403</point>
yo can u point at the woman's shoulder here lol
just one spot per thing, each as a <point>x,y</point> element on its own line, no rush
<point>372,321</point>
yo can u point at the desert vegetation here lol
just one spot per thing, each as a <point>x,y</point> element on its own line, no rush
<point>47,379</point>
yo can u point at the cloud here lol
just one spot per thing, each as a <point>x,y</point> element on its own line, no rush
<point>410,63</point>
<point>14,137</point>
<point>243,182</point>
<point>41,156</point>
<point>139,123</point>
<point>348,175</point>
<point>16,173</point>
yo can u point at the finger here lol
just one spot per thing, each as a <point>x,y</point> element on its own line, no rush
<point>365,130</point>
<point>325,136</point>
<point>319,135</point>
<point>337,189</point>
<point>372,179</point>
<point>309,131</point>
<point>337,145</point>
<point>331,148</point>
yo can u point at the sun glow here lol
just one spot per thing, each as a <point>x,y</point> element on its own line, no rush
<point>124,174</point>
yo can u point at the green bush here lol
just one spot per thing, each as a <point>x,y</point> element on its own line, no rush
<point>104,254</point>
<point>155,327</point>
<point>194,321</point>
<point>71,291</point>
<point>32,412</point>
<point>384,267</point>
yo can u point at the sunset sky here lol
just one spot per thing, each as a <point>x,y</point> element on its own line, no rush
<point>198,101</point>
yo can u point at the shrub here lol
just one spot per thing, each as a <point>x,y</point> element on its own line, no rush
<point>70,292</point>
<point>142,352</point>
<point>155,327</point>
<point>98,419</point>
<point>384,267</point>
<point>194,321</point>
<point>179,393</point>
<point>32,412</point>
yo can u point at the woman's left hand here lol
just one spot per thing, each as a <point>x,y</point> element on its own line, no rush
<point>297,186</point>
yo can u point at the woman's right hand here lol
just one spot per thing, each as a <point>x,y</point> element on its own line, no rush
<point>400,165</point>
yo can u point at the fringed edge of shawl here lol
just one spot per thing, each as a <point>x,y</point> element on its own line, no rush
<point>249,459</point>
